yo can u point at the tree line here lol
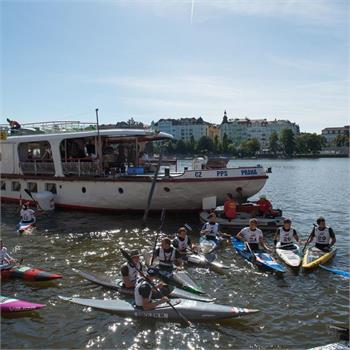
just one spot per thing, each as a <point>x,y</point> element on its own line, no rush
<point>283,144</point>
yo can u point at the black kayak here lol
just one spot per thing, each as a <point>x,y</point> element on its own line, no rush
<point>169,291</point>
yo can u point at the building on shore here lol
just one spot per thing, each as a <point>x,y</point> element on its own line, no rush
<point>239,130</point>
<point>183,128</point>
<point>333,132</point>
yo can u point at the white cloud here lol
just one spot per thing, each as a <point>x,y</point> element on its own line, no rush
<point>310,11</point>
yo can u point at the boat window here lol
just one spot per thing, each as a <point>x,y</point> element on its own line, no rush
<point>51,187</point>
<point>3,185</point>
<point>36,158</point>
<point>32,187</point>
<point>83,189</point>
<point>16,186</point>
<point>120,190</point>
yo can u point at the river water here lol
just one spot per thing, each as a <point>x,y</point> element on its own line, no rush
<point>295,311</point>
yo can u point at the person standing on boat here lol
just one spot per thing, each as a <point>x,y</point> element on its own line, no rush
<point>130,272</point>
<point>230,207</point>
<point>5,259</point>
<point>253,236</point>
<point>143,291</point>
<point>265,206</point>
<point>211,228</point>
<point>285,234</point>
<point>27,214</point>
<point>182,242</point>
<point>324,235</point>
<point>167,256</point>
<point>13,125</point>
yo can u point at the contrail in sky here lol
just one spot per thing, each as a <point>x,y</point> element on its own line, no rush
<point>192,10</point>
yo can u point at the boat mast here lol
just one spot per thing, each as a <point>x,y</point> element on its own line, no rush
<point>99,149</point>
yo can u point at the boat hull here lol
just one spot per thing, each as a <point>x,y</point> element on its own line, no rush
<point>314,257</point>
<point>177,192</point>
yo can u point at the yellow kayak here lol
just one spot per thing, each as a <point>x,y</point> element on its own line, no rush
<point>314,257</point>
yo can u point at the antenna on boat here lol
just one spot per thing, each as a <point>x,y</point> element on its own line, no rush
<point>99,149</point>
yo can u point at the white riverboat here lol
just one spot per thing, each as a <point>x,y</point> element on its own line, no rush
<point>104,170</point>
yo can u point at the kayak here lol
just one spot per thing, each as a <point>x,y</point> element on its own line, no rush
<point>193,310</point>
<point>180,279</point>
<point>263,259</point>
<point>25,227</point>
<point>314,257</point>
<point>204,260</point>
<point>289,254</point>
<point>169,291</point>
<point>336,271</point>
<point>207,246</point>
<point>16,305</point>
<point>28,274</point>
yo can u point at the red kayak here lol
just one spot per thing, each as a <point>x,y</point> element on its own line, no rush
<point>28,274</point>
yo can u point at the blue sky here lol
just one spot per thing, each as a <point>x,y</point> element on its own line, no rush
<point>155,59</point>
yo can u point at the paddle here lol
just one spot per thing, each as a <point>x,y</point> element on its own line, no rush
<point>307,241</point>
<point>131,263</point>
<point>250,250</point>
<point>150,196</point>
<point>162,219</point>
<point>31,196</point>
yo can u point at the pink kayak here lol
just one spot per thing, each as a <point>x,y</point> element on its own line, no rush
<point>15,305</point>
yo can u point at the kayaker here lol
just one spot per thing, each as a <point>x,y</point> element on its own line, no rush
<point>286,233</point>
<point>27,214</point>
<point>324,235</point>
<point>167,256</point>
<point>143,291</point>
<point>5,259</point>
<point>14,125</point>
<point>265,206</point>
<point>253,236</point>
<point>229,207</point>
<point>211,228</point>
<point>130,273</point>
<point>182,242</point>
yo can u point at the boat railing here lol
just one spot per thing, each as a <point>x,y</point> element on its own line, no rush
<point>80,167</point>
<point>52,127</point>
<point>37,167</point>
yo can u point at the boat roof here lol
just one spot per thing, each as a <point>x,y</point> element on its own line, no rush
<point>140,134</point>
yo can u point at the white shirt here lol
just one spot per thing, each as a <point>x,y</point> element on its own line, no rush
<point>322,236</point>
<point>251,236</point>
<point>286,236</point>
<point>27,214</point>
<point>4,256</point>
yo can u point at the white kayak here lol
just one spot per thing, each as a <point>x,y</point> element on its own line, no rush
<point>289,254</point>
<point>193,310</point>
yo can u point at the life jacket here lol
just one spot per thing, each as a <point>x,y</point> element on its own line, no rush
<point>252,236</point>
<point>166,259</point>
<point>322,236</point>
<point>133,273</point>
<point>138,297</point>
<point>230,209</point>
<point>212,228</point>
<point>264,205</point>
<point>27,215</point>
<point>285,236</point>
<point>182,245</point>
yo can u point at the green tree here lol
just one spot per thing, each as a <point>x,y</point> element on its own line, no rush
<point>273,143</point>
<point>181,147</point>
<point>205,143</point>
<point>307,143</point>
<point>231,148</point>
<point>250,147</point>
<point>287,140</point>
<point>216,144</point>
<point>192,145</point>
<point>341,141</point>
<point>225,143</point>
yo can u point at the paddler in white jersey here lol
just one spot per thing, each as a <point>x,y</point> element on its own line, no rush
<point>253,235</point>
<point>211,228</point>
<point>27,214</point>
<point>167,256</point>
<point>324,235</point>
<point>182,242</point>
<point>129,273</point>
<point>143,291</point>
<point>5,259</point>
<point>285,234</point>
